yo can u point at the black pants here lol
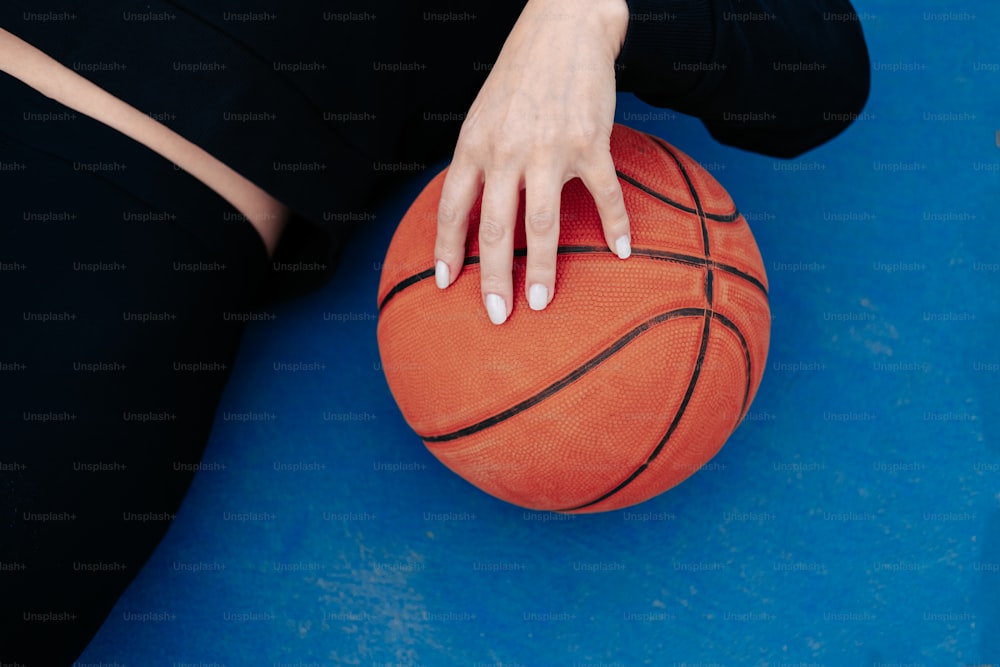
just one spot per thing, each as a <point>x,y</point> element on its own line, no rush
<point>121,319</point>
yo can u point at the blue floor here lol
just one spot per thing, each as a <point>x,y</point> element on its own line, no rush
<point>853,519</point>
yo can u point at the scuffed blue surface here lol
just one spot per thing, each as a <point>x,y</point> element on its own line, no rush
<point>854,519</point>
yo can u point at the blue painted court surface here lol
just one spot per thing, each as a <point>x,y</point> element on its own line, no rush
<point>853,519</point>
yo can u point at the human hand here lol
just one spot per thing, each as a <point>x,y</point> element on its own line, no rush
<point>543,117</point>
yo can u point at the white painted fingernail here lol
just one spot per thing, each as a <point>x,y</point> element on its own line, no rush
<point>496,308</point>
<point>623,247</point>
<point>538,297</point>
<point>441,274</point>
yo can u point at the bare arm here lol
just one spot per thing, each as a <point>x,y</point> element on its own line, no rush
<point>52,79</point>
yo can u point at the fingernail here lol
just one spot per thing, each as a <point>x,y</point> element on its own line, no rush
<point>496,308</point>
<point>441,274</point>
<point>622,247</point>
<point>538,297</point>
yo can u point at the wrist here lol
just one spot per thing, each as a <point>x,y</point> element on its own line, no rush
<point>615,15</point>
<point>608,17</point>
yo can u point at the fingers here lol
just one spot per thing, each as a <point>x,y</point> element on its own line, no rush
<point>501,195</point>
<point>458,194</point>
<point>543,193</point>
<point>602,182</point>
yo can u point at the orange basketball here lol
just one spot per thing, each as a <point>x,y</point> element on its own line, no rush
<point>629,381</point>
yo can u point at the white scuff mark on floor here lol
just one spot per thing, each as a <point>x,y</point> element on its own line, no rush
<point>876,334</point>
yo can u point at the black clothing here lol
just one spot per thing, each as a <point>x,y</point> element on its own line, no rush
<point>318,106</point>
<point>120,326</point>
<point>321,107</point>
<point>777,78</point>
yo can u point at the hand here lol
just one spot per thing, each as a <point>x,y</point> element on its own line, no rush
<point>543,117</point>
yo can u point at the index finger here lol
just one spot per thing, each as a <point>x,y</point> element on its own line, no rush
<point>461,188</point>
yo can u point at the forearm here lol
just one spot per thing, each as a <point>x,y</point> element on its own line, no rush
<point>777,77</point>
<point>38,70</point>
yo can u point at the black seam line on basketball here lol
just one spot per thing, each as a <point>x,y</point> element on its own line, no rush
<point>568,379</point>
<point>666,255</point>
<point>706,330</point>
<point>584,250</point>
<point>673,424</point>
<point>709,274</point>
<point>739,274</point>
<point>692,190</point>
<point>732,326</point>
<point>404,283</point>
<point>717,217</point>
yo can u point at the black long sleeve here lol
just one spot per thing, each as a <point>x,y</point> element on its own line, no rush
<point>777,77</point>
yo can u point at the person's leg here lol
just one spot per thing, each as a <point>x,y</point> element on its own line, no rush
<point>120,325</point>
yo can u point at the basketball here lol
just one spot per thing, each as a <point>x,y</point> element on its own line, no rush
<point>631,379</point>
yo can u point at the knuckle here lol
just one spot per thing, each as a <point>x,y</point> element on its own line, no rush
<point>470,139</point>
<point>491,231</point>
<point>447,214</point>
<point>584,136</point>
<point>541,221</point>
<point>470,144</point>
<point>607,192</point>
<point>547,141</point>
<point>505,151</point>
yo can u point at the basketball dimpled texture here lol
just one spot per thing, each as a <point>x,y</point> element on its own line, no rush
<point>626,384</point>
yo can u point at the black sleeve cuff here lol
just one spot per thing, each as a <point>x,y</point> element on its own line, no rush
<point>777,77</point>
<point>668,47</point>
